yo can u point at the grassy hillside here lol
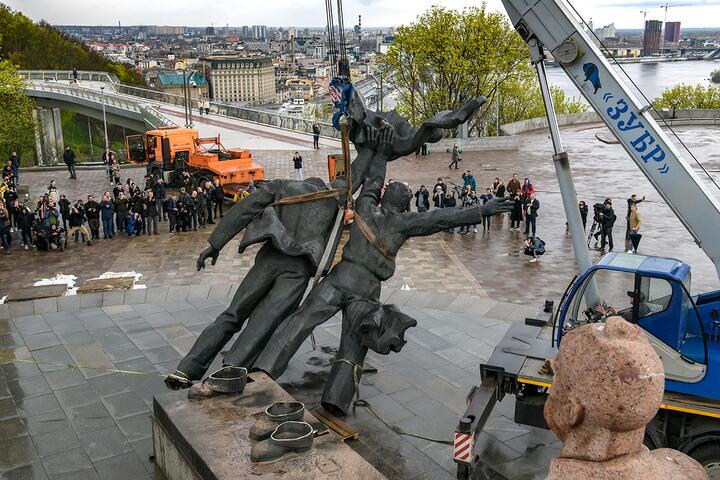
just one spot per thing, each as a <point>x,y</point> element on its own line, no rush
<point>40,46</point>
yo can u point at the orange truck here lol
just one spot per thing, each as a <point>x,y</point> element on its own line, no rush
<point>170,151</point>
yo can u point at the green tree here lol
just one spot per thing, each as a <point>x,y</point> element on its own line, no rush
<point>43,47</point>
<point>689,97</point>
<point>16,114</point>
<point>447,57</point>
<point>715,76</point>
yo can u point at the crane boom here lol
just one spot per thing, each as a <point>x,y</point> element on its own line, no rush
<point>552,25</point>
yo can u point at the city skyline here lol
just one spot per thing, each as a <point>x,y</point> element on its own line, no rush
<point>375,14</point>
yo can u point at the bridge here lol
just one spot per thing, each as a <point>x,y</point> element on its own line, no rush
<point>139,109</point>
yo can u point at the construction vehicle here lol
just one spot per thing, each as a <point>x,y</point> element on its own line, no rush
<point>683,329</point>
<point>170,151</point>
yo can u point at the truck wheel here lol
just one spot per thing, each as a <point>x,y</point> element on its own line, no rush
<point>708,455</point>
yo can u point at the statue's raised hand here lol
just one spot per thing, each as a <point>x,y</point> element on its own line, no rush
<point>497,205</point>
<point>380,140</point>
<point>210,252</point>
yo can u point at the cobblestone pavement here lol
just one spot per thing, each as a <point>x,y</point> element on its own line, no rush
<point>486,264</point>
<point>70,408</point>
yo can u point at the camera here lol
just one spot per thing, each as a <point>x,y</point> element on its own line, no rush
<point>598,212</point>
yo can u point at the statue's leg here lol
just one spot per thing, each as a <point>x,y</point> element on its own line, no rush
<point>323,302</point>
<point>280,302</point>
<point>213,338</point>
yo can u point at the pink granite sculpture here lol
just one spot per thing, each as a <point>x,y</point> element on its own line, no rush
<point>608,385</point>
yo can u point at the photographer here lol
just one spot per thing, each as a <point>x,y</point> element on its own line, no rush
<point>532,205</point>
<point>107,210</point>
<point>607,223</point>
<point>438,197</point>
<point>422,202</point>
<point>77,223</point>
<point>56,238</point>
<point>64,207</point>
<point>25,222</point>
<point>121,211</point>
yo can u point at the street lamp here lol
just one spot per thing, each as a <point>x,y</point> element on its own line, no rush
<point>102,90</point>
<point>187,83</point>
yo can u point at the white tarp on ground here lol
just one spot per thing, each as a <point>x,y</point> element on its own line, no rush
<point>60,279</point>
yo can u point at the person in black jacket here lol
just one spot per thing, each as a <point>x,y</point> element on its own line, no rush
<point>422,201</point>
<point>171,209</point>
<point>121,211</point>
<point>516,215</point>
<point>69,159</point>
<point>218,197</point>
<point>64,206</point>
<point>92,212</point>
<point>532,205</point>
<point>582,206</point>
<point>193,206</point>
<point>152,213</point>
<point>160,196</point>
<point>76,220</point>
<point>449,202</point>
<point>25,221</point>
<point>608,221</point>
<point>201,207</point>
<point>107,212</point>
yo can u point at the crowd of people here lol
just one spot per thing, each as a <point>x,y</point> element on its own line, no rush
<point>127,208</point>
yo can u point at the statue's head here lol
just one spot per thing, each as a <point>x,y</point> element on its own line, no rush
<point>607,378</point>
<point>397,197</point>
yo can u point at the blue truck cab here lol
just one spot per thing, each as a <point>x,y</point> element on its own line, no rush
<point>654,292</point>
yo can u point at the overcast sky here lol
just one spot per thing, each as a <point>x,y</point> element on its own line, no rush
<point>375,13</point>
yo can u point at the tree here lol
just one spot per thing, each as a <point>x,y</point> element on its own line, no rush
<point>43,47</point>
<point>16,115</point>
<point>689,97</point>
<point>447,57</point>
<point>715,76</point>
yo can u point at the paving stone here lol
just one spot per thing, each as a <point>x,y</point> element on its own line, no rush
<point>219,291</point>
<point>33,471</point>
<point>110,337</point>
<point>122,467</point>
<point>52,358</point>
<point>123,353</point>
<point>27,387</point>
<point>426,340</point>
<point>162,354</point>
<point>112,298</point>
<point>160,319</point>
<point>105,443</point>
<point>124,405</point>
<point>45,305</point>
<point>135,296</point>
<point>4,311</point>
<point>60,440</point>
<point>399,297</point>
<point>69,461</point>
<point>178,293</point>
<point>87,474</point>
<point>81,394</point>
<point>19,309</point>
<point>136,428</point>
<point>12,427</point>
<point>407,395</point>
<point>156,294</point>
<point>148,341</point>
<point>39,341</point>
<point>144,450</point>
<point>91,299</point>
<point>387,384</point>
<point>145,309</point>
<point>17,453</point>
<point>199,291</point>
<point>10,340</point>
<point>90,417</point>
<point>68,377</point>
<point>504,429</point>
<point>31,324</point>
<point>75,339</point>
<point>93,357</point>
<point>69,304</point>
<point>46,422</point>
<point>38,404</point>
<point>111,384</point>
<point>390,410</point>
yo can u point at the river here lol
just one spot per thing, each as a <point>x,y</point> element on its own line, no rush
<point>651,78</point>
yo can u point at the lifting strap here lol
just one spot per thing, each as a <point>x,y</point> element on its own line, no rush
<point>372,238</point>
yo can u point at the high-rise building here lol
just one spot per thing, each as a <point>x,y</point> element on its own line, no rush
<point>245,32</point>
<point>672,31</point>
<point>651,38</point>
<point>259,32</point>
<point>241,79</point>
<point>608,31</point>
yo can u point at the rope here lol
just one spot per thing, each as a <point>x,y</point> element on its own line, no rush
<point>357,402</point>
<point>4,361</point>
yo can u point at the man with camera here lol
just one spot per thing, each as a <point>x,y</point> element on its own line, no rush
<point>605,217</point>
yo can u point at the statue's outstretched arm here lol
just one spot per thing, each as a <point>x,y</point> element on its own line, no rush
<point>421,224</point>
<point>242,213</point>
<point>431,131</point>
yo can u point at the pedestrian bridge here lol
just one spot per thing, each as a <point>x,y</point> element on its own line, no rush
<point>139,109</point>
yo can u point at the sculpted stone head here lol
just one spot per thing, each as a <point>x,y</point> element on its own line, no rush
<point>608,385</point>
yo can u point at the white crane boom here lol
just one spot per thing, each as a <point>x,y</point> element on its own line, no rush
<point>552,25</point>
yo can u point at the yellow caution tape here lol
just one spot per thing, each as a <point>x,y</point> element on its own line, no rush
<point>4,361</point>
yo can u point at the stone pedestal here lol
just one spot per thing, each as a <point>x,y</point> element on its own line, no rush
<point>208,439</point>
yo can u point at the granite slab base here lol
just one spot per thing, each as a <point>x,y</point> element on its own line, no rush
<point>208,439</point>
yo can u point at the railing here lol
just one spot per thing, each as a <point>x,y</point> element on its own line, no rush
<point>149,114</point>
<point>278,120</point>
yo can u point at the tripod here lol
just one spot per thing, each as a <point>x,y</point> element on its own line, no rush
<point>595,228</point>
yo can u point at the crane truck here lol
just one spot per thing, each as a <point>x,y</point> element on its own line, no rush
<point>684,329</point>
<point>170,151</point>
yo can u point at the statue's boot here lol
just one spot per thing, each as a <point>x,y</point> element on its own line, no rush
<point>228,380</point>
<point>274,415</point>
<point>288,437</point>
<point>177,381</point>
